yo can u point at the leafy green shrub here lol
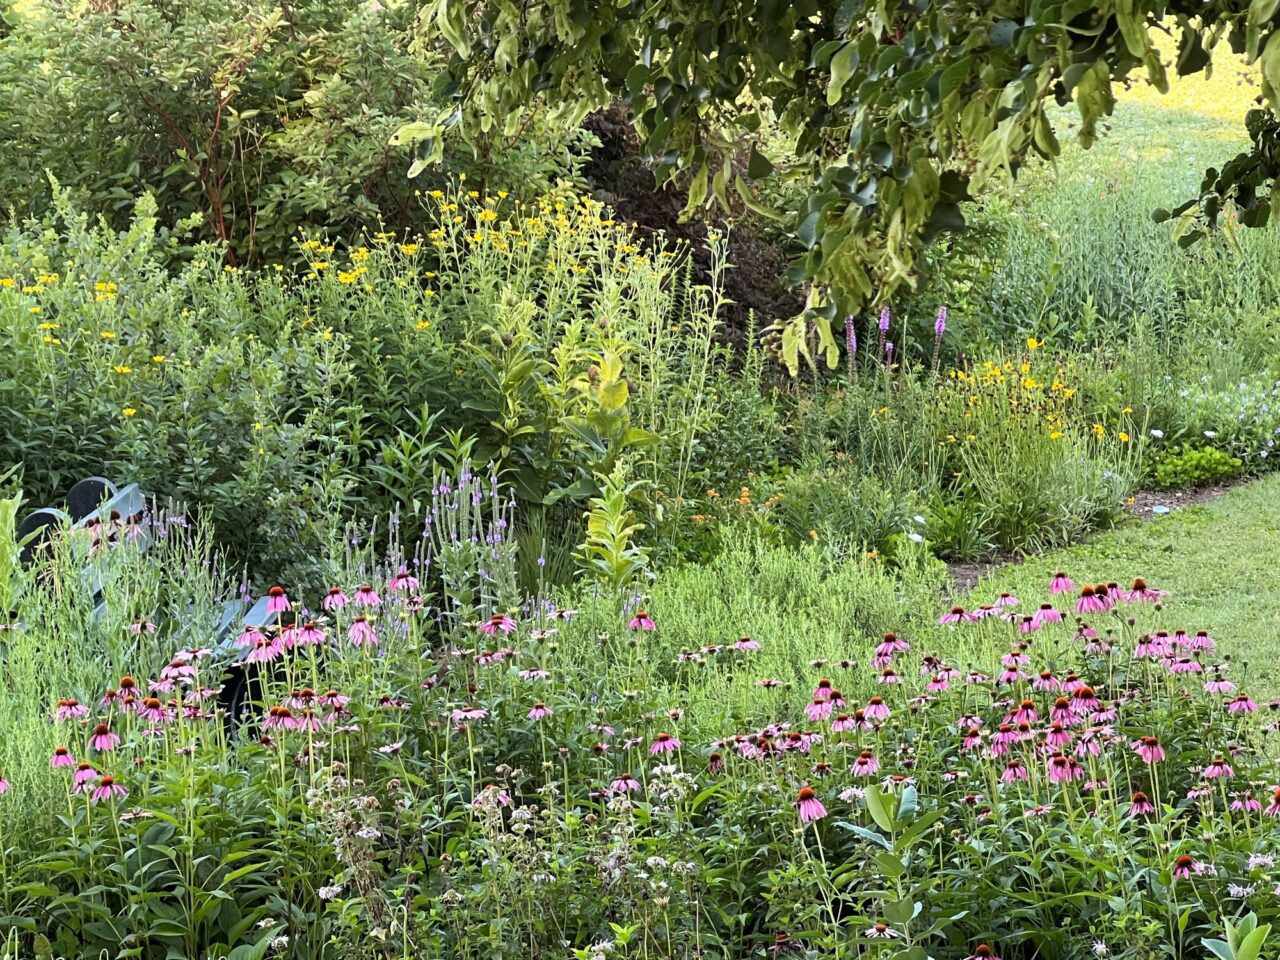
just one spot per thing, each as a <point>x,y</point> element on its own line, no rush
<point>260,120</point>
<point>1193,465</point>
<point>537,335</point>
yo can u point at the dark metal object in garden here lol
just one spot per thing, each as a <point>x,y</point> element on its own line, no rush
<point>88,495</point>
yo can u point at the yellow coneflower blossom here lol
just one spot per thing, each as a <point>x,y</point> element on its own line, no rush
<point>1034,344</point>
<point>107,334</point>
<point>1099,430</point>
<point>7,282</point>
<point>47,326</point>
<point>158,358</point>
<point>424,324</point>
<point>409,249</point>
<point>128,411</point>
<point>1124,437</point>
<point>122,369</point>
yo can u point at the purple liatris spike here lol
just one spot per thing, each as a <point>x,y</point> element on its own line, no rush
<point>884,319</point>
<point>940,325</point>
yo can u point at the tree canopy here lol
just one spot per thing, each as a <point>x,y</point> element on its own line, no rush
<point>898,110</point>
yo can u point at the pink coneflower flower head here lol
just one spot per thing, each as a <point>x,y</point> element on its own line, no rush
<point>625,783</point>
<point>641,621</point>
<point>1064,769</point>
<point>277,600</point>
<point>876,709</point>
<point>62,758</point>
<point>1273,808</point>
<point>1149,749</point>
<point>818,709</point>
<point>1141,804</point>
<point>1046,681</point>
<point>539,711</point>
<point>880,931</point>
<point>889,676</point>
<point>142,626</point>
<point>1184,665</point>
<point>361,633</point>
<point>335,599</point>
<point>1201,642</point>
<point>1025,712</point>
<point>1108,594</point>
<point>1219,684</point>
<point>333,699</point>
<point>842,723</point>
<point>265,650</point>
<point>1183,866</point>
<point>103,739</point>
<point>464,714</point>
<point>1141,593</point>
<point>84,775</point>
<point>402,581</point>
<point>1006,600</point>
<point>866,764</point>
<point>1218,768</point>
<point>1061,583</point>
<point>956,614</point>
<point>107,789</point>
<point>366,596</point>
<point>249,636</point>
<point>982,952</point>
<point>809,805</point>
<point>152,710</point>
<point>1014,769</point>
<point>823,690</point>
<point>1089,601</point>
<point>4,786</point>
<point>1047,613</point>
<point>1242,704</point>
<point>70,710</point>
<point>664,743</point>
<point>498,623</point>
<point>309,634</point>
<point>745,643</point>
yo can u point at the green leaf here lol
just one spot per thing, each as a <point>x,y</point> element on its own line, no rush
<point>758,165</point>
<point>1132,23</point>
<point>865,834</point>
<point>1251,947</point>
<point>877,808</point>
<point>1219,948</point>
<point>843,64</point>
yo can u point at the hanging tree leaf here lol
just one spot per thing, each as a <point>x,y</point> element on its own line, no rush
<point>899,109</point>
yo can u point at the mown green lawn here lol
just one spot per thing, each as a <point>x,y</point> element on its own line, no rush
<point>1220,560</point>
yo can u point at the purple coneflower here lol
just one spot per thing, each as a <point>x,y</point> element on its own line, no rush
<point>107,789</point>
<point>745,643</point>
<point>1183,866</point>
<point>309,634</point>
<point>1242,704</point>
<point>1089,601</point>
<point>625,783</point>
<point>866,764</point>
<point>249,636</point>
<point>539,711</point>
<point>335,599</point>
<point>1141,593</point>
<point>641,621</point>
<point>956,614</point>
<point>70,710</point>
<point>1061,583</point>
<point>498,623</point>
<point>265,650</point>
<point>982,952</point>
<point>1014,769</point>
<point>1141,805</point>
<point>361,632</point>
<point>85,774</point>
<point>664,743</point>
<point>62,758</point>
<point>464,714</point>
<point>402,581</point>
<point>880,931</point>
<point>103,739</point>
<point>1273,808</point>
<point>809,805</point>
<point>366,596</point>
<point>277,600</point>
<point>1218,768</point>
<point>1006,600</point>
<point>1047,614</point>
